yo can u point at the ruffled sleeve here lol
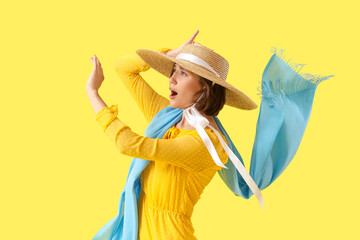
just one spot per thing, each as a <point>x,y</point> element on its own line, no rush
<point>106,115</point>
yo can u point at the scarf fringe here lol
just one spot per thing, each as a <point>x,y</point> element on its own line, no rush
<point>273,91</point>
<point>273,99</point>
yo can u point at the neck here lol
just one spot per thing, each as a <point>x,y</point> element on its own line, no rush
<point>185,125</point>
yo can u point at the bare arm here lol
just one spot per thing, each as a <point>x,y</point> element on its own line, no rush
<point>97,77</point>
<point>96,101</point>
<point>94,82</point>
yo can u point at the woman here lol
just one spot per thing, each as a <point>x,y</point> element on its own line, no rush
<point>184,145</point>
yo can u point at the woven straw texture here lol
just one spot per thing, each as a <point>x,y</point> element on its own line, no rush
<point>164,65</point>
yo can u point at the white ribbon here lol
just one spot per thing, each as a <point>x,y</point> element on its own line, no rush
<point>195,59</point>
<point>195,119</point>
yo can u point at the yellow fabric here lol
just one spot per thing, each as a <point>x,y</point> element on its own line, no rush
<point>180,165</point>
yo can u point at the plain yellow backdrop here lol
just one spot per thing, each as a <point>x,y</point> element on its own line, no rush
<point>61,178</point>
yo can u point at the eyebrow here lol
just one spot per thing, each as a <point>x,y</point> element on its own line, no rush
<point>180,67</point>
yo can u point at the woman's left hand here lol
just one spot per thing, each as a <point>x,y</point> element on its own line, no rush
<point>96,76</point>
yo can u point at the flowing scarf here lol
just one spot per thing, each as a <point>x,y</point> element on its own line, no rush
<point>287,98</point>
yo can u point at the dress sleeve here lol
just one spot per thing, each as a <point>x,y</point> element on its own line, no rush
<point>188,151</point>
<point>128,69</point>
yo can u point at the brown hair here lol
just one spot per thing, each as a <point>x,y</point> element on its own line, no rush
<point>213,100</point>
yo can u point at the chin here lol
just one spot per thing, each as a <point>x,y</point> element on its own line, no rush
<point>175,105</point>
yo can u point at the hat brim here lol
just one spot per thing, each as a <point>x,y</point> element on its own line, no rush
<point>164,65</point>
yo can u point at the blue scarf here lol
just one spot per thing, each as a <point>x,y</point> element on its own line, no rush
<point>287,98</point>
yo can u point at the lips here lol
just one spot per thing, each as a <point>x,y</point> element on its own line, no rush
<point>173,93</point>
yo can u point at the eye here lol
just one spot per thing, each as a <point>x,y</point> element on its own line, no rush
<point>182,72</point>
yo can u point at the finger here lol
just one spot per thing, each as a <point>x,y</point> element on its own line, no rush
<point>191,39</point>
<point>96,64</point>
<point>193,36</point>
<point>93,62</point>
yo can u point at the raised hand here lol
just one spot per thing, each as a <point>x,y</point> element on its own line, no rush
<point>96,76</point>
<point>174,52</point>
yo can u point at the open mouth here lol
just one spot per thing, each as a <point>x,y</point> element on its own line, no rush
<point>173,93</point>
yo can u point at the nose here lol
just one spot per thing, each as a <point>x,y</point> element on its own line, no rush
<point>172,79</point>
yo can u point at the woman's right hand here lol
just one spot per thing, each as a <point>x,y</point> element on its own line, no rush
<point>174,52</point>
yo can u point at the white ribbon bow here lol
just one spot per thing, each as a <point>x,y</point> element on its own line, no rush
<point>195,119</point>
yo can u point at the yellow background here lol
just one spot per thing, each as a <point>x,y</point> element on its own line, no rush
<point>60,176</point>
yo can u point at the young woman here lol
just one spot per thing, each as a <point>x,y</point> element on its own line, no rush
<point>185,143</point>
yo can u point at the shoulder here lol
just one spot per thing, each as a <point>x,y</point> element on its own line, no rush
<point>192,133</point>
<point>212,135</point>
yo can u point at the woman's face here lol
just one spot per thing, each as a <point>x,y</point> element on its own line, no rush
<point>185,87</point>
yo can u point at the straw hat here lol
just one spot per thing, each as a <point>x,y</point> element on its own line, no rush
<point>204,62</point>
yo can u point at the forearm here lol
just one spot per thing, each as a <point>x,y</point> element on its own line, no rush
<point>96,101</point>
<point>182,152</point>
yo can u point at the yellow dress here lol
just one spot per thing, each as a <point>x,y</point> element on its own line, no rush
<point>180,165</point>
